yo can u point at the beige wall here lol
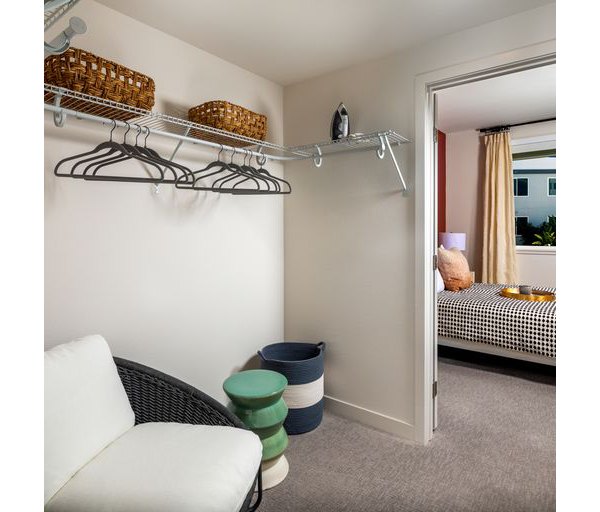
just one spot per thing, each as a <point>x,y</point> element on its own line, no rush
<point>349,235</point>
<point>464,171</point>
<point>193,284</point>
<point>190,283</point>
<point>464,185</point>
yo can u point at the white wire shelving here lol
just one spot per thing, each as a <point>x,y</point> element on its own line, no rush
<point>56,9</point>
<point>65,103</point>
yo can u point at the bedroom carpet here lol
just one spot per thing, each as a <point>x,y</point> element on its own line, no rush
<point>493,451</point>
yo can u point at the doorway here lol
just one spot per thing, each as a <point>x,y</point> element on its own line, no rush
<point>426,235</point>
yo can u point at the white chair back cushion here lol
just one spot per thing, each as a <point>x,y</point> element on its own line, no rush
<point>85,408</point>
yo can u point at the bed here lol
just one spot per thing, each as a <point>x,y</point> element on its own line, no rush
<point>480,319</point>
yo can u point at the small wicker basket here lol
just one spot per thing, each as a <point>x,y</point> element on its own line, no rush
<point>82,71</point>
<point>229,117</point>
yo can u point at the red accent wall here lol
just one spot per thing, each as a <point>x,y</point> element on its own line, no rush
<point>441,181</point>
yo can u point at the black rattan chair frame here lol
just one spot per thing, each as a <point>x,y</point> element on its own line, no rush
<point>157,397</point>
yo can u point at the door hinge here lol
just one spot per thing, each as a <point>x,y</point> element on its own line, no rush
<point>435,135</point>
<point>434,388</point>
<point>435,262</point>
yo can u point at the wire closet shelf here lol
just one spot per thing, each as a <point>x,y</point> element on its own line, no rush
<point>55,10</point>
<point>64,103</point>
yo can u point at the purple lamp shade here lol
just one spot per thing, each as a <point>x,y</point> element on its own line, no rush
<point>451,240</point>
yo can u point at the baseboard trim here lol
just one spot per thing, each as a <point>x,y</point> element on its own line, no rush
<point>370,418</point>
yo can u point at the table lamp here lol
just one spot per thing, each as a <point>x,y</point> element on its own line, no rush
<point>451,240</point>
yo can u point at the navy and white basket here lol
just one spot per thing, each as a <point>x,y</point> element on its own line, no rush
<point>302,365</point>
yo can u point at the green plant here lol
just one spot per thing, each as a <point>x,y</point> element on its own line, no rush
<point>547,234</point>
<point>546,238</point>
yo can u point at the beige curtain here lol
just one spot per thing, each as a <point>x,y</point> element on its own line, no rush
<point>499,256</point>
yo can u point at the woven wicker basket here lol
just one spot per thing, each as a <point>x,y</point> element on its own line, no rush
<point>82,71</point>
<point>229,117</point>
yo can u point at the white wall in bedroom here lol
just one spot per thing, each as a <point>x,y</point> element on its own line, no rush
<point>464,172</point>
<point>190,283</point>
<point>349,235</point>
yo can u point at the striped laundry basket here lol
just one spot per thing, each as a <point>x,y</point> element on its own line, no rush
<point>302,365</point>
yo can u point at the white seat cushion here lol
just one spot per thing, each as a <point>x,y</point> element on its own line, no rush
<point>85,408</point>
<point>159,467</point>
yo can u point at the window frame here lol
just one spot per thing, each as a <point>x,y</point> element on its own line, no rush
<point>526,217</point>
<point>516,188</point>
<point>526,149</point>
<point>537,250</point>
<point>548,194</point>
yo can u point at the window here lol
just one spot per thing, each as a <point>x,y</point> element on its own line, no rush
<point>521,187</point>
<point>521,225</point>
<point>534,186</point>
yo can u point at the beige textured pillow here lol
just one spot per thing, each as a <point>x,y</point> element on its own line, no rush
<point>454,268</point>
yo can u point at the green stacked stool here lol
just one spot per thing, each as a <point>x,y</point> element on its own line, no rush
<point>256,399</point>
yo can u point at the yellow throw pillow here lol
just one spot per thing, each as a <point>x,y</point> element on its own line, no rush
<point>454,268</point>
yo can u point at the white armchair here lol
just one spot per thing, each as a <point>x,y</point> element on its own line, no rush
<point>120,437</point>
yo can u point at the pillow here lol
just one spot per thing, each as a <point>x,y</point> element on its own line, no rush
<point>85,408</point>
<point>454,268</point>
<point>439,281</point>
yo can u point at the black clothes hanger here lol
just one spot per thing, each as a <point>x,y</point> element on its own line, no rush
<point>130,153</point>
<point>218,176</point>
<point>149,155</point>
<point>186,173</point>
<point>261,185</point>
<point>116,152</point>
<point>202,174</point>
<point>243,173</point>
<point>236,171</point>
<point>109,145</point>
<point>281,186</point>
<point>272,184</point>
<point>287,187</point>
<point>195,175</point>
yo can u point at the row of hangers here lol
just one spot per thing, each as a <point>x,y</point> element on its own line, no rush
<point>217,176</point>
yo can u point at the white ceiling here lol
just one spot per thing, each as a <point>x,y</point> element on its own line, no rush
<point>288,41</point>
<point>515,98</point>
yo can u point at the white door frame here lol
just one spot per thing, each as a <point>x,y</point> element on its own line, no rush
<point>426,85</point>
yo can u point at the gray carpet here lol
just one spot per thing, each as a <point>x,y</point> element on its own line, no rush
<point>494,450</point>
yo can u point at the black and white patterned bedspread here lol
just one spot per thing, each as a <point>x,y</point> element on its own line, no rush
<point>481,314</point>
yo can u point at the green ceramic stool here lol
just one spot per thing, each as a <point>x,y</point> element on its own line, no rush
<point>256,399</point>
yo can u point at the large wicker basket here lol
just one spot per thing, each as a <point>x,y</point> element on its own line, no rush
<point>229,117</point>
<point>82,71</point>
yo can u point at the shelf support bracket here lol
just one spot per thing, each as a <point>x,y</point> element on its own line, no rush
<point>318,160</point>
<point>60,116</point>
<point>381,150</point>
<point>389,148</point>
<point>179,143</point>
<point>62,42</point>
